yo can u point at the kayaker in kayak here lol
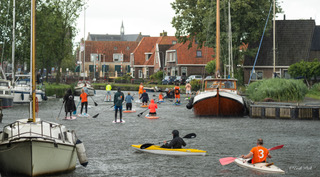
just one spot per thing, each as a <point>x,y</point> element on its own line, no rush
<point>117,100</point>
<point>128,101</point>
<point>258,153</point>
<point>152,106</point>
<point>145,98</point>
<point>176,142</point>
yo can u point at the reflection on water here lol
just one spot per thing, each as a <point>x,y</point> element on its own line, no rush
<point>109,149</point>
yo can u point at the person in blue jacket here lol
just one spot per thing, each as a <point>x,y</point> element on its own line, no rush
<point>128,101</point>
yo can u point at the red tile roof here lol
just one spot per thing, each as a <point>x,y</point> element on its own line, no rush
<point>107,48</point>
<point>189,56</point>
<point>146,45</point>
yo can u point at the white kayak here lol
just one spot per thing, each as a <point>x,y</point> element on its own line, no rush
<point>261,167</point>
<point>154,149</point>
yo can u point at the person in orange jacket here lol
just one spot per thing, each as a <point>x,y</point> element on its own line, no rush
<point>160,97</point>
<point>177,93</point>
<point>258,153</point>
<point>152,106</point>
<point>140,89</point>
<point>84,101</point>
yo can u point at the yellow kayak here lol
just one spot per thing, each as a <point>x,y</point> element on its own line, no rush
<point>166,151</point>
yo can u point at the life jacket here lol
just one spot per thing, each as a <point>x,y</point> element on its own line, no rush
<point>176,90</point>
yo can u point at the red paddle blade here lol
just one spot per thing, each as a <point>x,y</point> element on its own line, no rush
<point>275,148</point>
<point>227,160</point>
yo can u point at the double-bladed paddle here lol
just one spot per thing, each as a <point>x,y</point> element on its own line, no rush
<point>190,135</point>
<point>227,160</point>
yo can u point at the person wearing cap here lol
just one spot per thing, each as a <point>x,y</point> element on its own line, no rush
<point>176,143</point>
<point>118,100</point>
<point>152,107</point>
<point>258,153</point>
<point>145,98</point>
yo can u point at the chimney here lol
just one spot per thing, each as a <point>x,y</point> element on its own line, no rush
<point>284,16</point>
<point>164,33</point>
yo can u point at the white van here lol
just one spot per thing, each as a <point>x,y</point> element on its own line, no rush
<point>191,77</point>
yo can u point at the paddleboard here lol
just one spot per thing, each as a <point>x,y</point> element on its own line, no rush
<point>144,106</point>
<point>177,104</point>
<point>151,117</point>
<point>161,101</point>
<point>261,167</point>
<point>129,111</point>
<point>82,115</point>
<point>118,121</point>
<point>70,118</point>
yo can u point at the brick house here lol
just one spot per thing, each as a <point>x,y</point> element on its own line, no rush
<point>296,40</point>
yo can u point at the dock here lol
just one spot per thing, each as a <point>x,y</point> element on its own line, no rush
<point>277,110</point>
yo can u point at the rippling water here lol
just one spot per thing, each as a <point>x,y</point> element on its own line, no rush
<point>109,149</point>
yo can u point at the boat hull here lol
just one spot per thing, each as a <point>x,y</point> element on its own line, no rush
<point>261,167</point>
<point>166,151</point>
<point>215,103</point>
<point>30,157</point>
<point>23,96</point>
<point>77,91</point>
<point>6,101</point>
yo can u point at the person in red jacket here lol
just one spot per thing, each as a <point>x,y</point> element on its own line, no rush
<point>152,106</point>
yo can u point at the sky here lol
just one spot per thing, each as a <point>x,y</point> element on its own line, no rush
<point>151,17</point>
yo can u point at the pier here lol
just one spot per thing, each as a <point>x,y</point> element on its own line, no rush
<point>275,110</point>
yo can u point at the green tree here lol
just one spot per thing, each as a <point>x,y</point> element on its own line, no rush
<point>196,20</point>
<point>211,67</point>
<point>305,69</point>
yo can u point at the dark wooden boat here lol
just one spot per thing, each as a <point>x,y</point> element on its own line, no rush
<point>220,98</point>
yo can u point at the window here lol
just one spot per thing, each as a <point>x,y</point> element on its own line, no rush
<point>140,73</point>
<point>117,57</point>
<point>128,48</point>
<point>148,55</point>
<point>258,75</point>
<point>115,48</point>
<point>147,73</point>
<point>199,53</point>
<point>93,57</point>
<point>286,74</point>
<point>174,42</point>
<point>171,57</point>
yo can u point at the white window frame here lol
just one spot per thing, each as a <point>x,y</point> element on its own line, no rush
<point>118,57</point>
<point>140,73</point>
<point>148,55</point>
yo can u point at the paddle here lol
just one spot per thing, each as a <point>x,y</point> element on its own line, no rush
<point>60,111</point>
<point>227,160</point>
<point>142,112</point>
<point>190,135</point>
<point>75,111</point>
<point>95,116</point>
<point>96,104</point>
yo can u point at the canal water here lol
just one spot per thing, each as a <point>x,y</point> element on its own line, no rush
<point>110,153</point>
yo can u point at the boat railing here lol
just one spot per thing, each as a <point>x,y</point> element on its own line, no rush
<point>20,130</point>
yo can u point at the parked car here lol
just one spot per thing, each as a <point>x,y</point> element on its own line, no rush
<point>180,80</point>
<point>168,80</point>
<point>197,77</point>
<point>209,77</point>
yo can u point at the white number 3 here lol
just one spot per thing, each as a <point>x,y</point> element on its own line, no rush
<point>261,155</point>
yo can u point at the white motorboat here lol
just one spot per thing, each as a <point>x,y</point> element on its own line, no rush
<point>80,86</point>
<point>21,92</point>
<point>6,96</point>
<point>261,167</point>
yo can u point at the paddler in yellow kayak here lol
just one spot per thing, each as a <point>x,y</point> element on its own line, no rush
<point>258,153</point>
<point>176,143</point>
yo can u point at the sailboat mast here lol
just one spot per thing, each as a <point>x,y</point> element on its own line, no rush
<point>13,37</point>
<point>218,40</point>
<point>274,38</point>
<point>32,65</point>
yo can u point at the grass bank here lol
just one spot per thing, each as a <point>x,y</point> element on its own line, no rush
<point>57,89</point>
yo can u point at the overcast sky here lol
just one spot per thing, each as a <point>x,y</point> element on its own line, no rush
<point>151,17</point>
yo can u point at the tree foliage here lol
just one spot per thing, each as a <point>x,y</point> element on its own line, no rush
<point>196,20</point>
<point>55,30</point>
<point>305,69</point>
<point>211,67</point>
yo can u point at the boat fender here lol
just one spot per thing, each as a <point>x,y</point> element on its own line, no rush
<point>190,104</point>
<point>22,96</point>
<point>81,152</point>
